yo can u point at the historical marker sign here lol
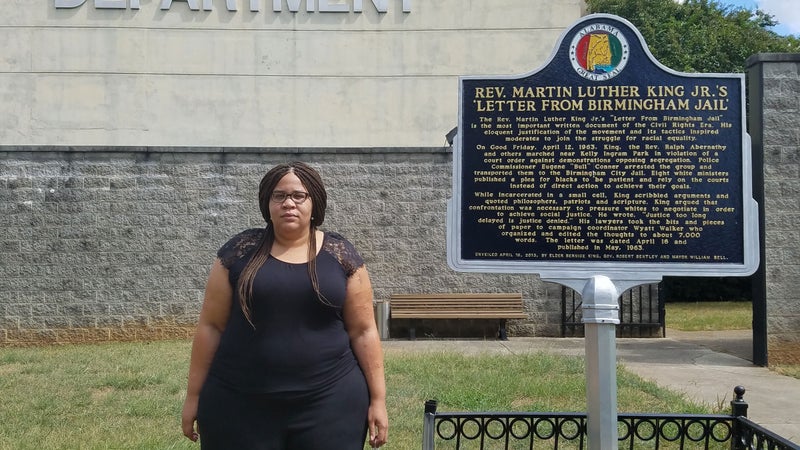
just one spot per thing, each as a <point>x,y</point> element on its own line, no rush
<point>603,161</point>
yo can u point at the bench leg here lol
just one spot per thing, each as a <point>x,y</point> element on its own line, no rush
<point>502,334</point>
<point>412,333</point>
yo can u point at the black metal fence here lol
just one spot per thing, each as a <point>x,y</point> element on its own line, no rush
<point>641,312</point>
<point>542,430</point>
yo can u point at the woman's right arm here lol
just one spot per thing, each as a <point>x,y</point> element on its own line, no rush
<point>213,318</point>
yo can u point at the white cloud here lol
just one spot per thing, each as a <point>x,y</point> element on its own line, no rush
<point>786,12</point>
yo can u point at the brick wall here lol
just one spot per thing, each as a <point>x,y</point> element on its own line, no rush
<point>116,243</point>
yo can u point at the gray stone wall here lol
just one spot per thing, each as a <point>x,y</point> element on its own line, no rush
<point>775,126</point>
<point>116,243</point>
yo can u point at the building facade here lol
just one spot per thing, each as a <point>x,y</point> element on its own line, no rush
<point>133,135</point>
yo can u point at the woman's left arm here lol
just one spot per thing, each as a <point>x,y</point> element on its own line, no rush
<point>359,319</point>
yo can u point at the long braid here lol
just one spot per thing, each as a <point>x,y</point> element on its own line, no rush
<point>248,276</point>
<point>312,267</point>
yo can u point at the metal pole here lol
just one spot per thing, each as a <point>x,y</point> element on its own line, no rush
<point>600,319</point>
<point>382,318</point>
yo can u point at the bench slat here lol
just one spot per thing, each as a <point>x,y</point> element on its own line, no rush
<point>453,306</point>
<point>488,308</point>
<point>460,315</point>
<point>467,301</point>
<point>498,306</point>
<point>456,296</point>
<point>457,308</point>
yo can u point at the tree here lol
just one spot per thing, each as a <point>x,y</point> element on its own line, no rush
<point>700,35</point>
<point>708,37</point>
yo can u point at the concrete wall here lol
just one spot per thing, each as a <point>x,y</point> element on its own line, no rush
<point>774,85</point>
<point>178,77</point>
<point>117,244</point>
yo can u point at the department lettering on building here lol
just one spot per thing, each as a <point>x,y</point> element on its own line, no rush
<point>322,6</point>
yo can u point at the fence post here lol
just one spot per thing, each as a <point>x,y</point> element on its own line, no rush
<point>429,425</point>
<point>738,409</point>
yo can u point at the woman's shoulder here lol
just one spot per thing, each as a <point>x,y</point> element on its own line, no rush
<point>344,252</point>
<point>240,245</point>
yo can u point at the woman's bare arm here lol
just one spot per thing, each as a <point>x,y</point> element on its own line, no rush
<point>213,318</point>
<point>359,320</point>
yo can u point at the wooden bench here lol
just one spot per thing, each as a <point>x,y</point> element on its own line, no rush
<point>457,306</point>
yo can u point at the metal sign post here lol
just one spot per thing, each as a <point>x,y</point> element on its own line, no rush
<point>600,308</point>
<point>600,318</point>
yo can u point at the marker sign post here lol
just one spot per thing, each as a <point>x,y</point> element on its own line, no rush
<point>603,170</point>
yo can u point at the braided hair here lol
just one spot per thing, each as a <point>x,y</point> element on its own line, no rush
<point>319,202</point>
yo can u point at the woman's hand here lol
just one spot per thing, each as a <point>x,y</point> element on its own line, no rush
<point>378,422</point>
<point>189,417</point>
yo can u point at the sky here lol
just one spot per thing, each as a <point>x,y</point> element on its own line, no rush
<point>786,12</point>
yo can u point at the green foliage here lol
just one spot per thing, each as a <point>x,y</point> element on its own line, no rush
<point>700,35</point>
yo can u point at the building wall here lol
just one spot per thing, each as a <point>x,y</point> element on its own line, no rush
<point>775,125</point>
<point>183,77</point>
<point>102,245</point>
<point>132,141</point>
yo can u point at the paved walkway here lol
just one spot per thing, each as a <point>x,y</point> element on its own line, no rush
<point>705,367</point>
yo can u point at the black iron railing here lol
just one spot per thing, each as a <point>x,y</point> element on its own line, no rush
<point>641,312</point>
<point>540,430</point>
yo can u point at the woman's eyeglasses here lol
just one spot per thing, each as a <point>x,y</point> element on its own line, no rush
<point>297,197</point>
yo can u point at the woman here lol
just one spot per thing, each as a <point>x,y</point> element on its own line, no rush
<point>287,355</point>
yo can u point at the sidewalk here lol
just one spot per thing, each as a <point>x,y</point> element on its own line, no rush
<point>693,364</point>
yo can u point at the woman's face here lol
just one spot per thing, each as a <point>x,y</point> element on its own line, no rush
<point>289,216</point>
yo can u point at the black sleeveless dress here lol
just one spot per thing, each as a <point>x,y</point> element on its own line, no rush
<point>290,380</point>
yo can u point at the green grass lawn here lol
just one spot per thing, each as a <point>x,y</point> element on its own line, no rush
<point>129,395</point>
<point>709,316</point>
